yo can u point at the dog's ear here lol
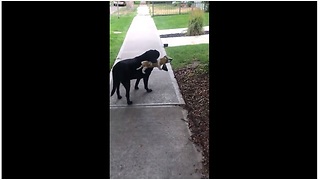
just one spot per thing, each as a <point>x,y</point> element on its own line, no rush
<point>164,67</point>
<point>169,58</point>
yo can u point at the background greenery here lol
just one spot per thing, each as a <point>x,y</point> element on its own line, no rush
<point>119,25</point>
<point>176,21</point>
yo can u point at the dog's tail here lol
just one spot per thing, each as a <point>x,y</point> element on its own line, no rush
<point>116,84</point>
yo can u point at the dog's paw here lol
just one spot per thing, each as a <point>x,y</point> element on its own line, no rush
<point>119,97</point>
<point>149,90</point>
<point>129,102</point>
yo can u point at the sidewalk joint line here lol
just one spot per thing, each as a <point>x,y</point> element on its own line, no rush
<point>147,105</point>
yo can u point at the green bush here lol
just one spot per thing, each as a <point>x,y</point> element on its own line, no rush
<point>206,6</point>
<point>203,68</point>
<point>176,3</point>
<point>159,2</point>
<point>195,26</point>
<point>189,3</point>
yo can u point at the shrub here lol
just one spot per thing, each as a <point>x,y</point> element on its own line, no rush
<point>195,26</point>
<point>189,3</point>
<point>206,6</point>
<point>158,2</point>
<point>176,3</point>
<point>203,68</point>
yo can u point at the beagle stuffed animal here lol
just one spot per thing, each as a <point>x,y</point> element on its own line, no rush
<point>161,61</point>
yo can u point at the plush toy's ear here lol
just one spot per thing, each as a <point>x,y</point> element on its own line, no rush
<point>164,67</point>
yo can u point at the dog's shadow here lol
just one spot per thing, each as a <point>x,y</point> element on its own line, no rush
<point>137,94</point>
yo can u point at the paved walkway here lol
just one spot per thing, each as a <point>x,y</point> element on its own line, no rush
<point>177,30</point>
<point>148,139</point>
<point>182,41</point>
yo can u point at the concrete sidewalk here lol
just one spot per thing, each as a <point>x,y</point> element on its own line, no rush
<point>186,40</point>
<point>149,139</point>
<point>177,30</point>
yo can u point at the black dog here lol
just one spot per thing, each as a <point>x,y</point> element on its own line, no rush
<point>125,70</point>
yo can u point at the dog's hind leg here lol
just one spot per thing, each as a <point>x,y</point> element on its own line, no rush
<point>126,85</point>
<point>137,83</point>
<point>145,81</point>
<point>113,90</point>
<point>116,85</point>
<point>118,91</point>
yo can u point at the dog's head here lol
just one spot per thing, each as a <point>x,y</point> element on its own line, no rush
<point>164,60</point>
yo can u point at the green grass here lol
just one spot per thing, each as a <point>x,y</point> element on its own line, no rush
<point>185,55</point>
<point>176,21</point>
<point>121,25</point>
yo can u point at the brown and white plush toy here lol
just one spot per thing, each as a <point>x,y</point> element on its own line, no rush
<point>162,61</point>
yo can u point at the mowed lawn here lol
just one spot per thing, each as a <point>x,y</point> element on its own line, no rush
<point>176,21</point>
<point>185,55</point>
<point>116,39</point>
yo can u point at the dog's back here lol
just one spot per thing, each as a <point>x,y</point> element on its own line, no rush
<point>126,69</point>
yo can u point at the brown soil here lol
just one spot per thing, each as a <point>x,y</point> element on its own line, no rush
<point>194,87</point>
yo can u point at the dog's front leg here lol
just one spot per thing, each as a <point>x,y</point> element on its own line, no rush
<point>145,81</point>
<point>137,83</point>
